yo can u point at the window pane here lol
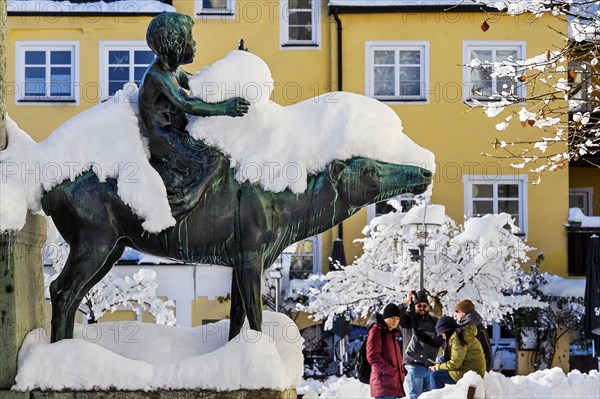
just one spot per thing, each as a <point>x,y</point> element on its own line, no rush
<point>60,79</point>
<point>35,57</point>
<point>506,55</point>
<point>139,74</point>
<point>215,4</point>
<point>301,33</point>
<point>37,89</point>
<point>508,190</point>
<point>307,4</point>
<point>144,57</point>
<point>410,57</point>
<point>35,73</point>
<point>483,207</point>
<point>483,191</point>
<point>118,57</point>
<point>118,73</point>
<point>411,74</point>
<point>410,89</point>
<point>481,55</point>
<point>504,84</point>
<point>115,86</point>
<point>383,57</point>
<point>382,208</point>
<point>384,81</point>
<point>481,82</point>
<point>511,207</point>
<point>305,247</point>
<point>300,18</point>
<point>60,57</point>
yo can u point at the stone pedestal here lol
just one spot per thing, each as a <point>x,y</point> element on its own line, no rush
<point>21,292</point>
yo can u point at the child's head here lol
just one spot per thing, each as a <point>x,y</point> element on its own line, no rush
<point>167,36</point>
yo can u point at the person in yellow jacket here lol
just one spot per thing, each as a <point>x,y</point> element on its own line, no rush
<point>463,353</point>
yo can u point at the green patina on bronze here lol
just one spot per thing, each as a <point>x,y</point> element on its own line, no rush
<point>219,220</point>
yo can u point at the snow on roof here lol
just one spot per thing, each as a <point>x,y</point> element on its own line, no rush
<point>576,215</point>
<point>559,286</point>
<point>118,6</point>
<point>142,356</point>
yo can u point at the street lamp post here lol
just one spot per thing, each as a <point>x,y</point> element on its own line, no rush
<point>422,236</point>
<point>421,220</point>
<point>275,274</point>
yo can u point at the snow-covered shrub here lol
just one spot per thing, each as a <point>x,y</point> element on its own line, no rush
<point>113,293</point>
<point>478,261</point>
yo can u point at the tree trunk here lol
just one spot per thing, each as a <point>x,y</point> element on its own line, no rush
<point>3,18</point>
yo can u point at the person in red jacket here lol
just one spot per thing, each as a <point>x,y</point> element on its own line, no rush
<point>385,356</point>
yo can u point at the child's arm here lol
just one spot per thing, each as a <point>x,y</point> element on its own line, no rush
<point>183,76</point>
<point>168,85</point>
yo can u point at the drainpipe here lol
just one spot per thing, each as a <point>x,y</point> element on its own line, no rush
<point>338,23</point>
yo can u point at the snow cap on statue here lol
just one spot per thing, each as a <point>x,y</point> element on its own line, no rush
<point>391,310</point>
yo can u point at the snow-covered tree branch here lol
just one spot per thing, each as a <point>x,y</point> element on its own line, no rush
<point>556,91</point>
<point>479,261</point>
<point>113,293</point>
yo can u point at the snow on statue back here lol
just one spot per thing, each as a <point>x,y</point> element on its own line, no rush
<point>278,146</point>
<point>106,139</point>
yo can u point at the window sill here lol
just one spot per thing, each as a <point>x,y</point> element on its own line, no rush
<point>216,14</point>
<point>45,100</point>
<point>299,45</point>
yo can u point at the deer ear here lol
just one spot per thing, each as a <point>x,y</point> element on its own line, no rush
<point>335,170</point>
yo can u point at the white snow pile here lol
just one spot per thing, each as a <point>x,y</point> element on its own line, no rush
<point>106,139</point>
<point>279,146</point>
<point>119,6</point>
<point>138,356</point>
<point>546,384</point>
<point>577,216</point>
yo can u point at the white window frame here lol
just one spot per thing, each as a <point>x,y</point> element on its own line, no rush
<point>521,180</point>
<point>372,208</point>
<point>105,47</point>
<point>201,12</point>
<point>422,46</point>
<point>588,194</point>
<point>521,48</point>
<point>284,17</point>
<point>24,46</point>
<point>317,266</point>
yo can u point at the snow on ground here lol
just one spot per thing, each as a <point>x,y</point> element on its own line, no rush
<point>303,138</point>
<point>273,145</point>
<point>120,6</point>
<point>547,384</point>
<point>139,356</point>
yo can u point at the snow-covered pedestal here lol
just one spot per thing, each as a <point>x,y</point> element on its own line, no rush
<point>21,292</point>
<point>169,362</point>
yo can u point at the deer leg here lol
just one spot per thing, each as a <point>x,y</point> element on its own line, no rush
<point>86,265</point>
<point>237,311</point>
<point>251,288</point>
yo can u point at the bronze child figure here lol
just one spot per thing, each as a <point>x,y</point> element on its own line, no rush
<point>183,163</point>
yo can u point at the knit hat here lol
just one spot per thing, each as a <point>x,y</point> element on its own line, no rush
<point>391,310</point>
<point>465,306</point>
<point>445,324</point>
<point>421,296</point>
